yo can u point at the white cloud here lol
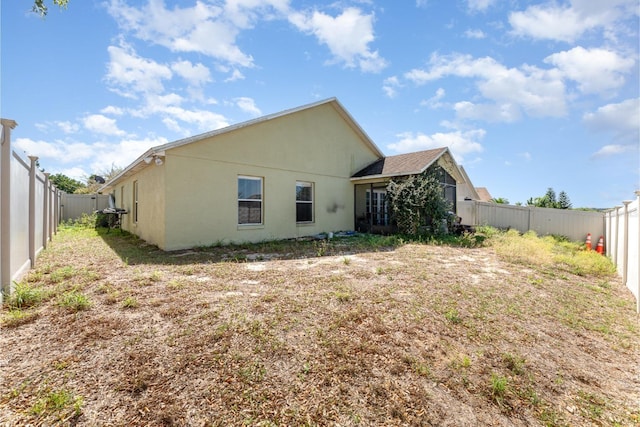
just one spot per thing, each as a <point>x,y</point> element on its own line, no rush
<point>434,101</point>
<point>75,172</point>
<point>195,75</point>
<point>248,105</point>
<point>60,151</point>
<point>621,119</point>
<point>202,28</point>
<point>113,110</point>
<point>570,21</point>
<point>537,92</point>
<point>614,149</point>
<point>347,36</point>
<point>98,123</point>
<point>460,143</point>
<point>122,153</point>
<point>132,74</point>
<point>390,86</point>
<point>595,70</point>
<point>68,127</point>
<point>480,5</point>
<point>474,34</point>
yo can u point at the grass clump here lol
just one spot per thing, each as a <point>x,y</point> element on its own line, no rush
<point>25,295</point>
<point>58,404</point>
<point>74,301</point>
<point>16,317</point>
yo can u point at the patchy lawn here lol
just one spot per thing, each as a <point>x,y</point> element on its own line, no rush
<point>111,331</point>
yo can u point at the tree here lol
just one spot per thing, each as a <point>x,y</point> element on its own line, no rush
<point>95,181</point>
<point>416,201</point>
<point>500,200</point>
<point>41,9</point>
<point>549,200</point>
<point>563,201</point>
<point>66,184</point>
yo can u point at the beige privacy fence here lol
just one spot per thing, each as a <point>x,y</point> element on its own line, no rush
<point>619,226</point>
<point>563,222</point>
<point>29,211</point>
<point>74,205</point>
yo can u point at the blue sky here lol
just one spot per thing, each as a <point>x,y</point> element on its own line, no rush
<point>527,95</point>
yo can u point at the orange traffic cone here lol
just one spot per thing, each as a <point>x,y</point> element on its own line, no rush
<point>588,242</point>
<point>600,246</point>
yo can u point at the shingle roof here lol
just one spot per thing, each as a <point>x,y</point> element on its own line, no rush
<point>484,194</point>
<point>402,164</point>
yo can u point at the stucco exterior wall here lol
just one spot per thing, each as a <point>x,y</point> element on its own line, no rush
<point>151,204</point>
<point>314,145</point>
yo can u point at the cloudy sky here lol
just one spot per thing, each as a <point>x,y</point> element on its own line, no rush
<point>527,95</point>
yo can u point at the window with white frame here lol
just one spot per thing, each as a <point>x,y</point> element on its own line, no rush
<point>135,202</point>
<point>249,200</point>
<point>304,201</point>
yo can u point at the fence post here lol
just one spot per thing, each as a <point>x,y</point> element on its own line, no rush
<point>45,212</point>
<point>625,244</point>
<point>608,232</point>
<point>638,256</point>
<point>5,207</point>
<point>615,242</point>
<point>32,210</point>
<point>56,213</point>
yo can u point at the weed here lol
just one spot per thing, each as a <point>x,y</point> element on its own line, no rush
<point>16,317</point>
<point>592,405</point>
<point>453,316</point>
<point>74,301</point>
<point>129,302</point>
<point>514,363</point>
<point>421,369</point>
<point>61,274</point>
<point>346,260</point>
<point>498,387</point>
<point>25,295</point>
<point>58,402</point>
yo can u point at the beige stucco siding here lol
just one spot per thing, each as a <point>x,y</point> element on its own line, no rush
<point>314,145</point>
<point>151,204</point>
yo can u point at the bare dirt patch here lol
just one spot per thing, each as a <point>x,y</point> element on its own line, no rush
<point>411,335</point>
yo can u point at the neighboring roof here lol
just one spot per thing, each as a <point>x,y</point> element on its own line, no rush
<point>139,163</point>
<point>400,165</point>
<point>484,195</point>
<point>469,185</point>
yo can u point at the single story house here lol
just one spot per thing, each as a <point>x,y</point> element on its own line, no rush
<point>295,173</point>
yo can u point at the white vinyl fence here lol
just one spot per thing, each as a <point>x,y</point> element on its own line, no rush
<point>623,243</point>
<point>29,211</point>
<point>563,222</point>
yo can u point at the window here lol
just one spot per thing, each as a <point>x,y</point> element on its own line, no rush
<point>304,202</point>
<point>249,200</point>
<point>379,210</point>
<point>135,202</point>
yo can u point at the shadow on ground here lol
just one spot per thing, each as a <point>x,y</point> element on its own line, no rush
<point>133,250</point>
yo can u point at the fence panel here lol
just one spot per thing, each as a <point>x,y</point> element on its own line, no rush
<point>28,212</point>
<point>570,223</point>
<point>74,205</point>
<point>20,259</point>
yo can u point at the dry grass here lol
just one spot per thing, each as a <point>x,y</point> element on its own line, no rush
<point>346,332</point>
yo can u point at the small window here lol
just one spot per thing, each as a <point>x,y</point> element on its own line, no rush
<point>304,202</point>
<point>135,202</point>
<point>249,200</point>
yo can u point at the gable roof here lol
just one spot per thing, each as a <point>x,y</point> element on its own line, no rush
<point>484,194</point>
<point>404,164</point>
<point>159,150</point>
